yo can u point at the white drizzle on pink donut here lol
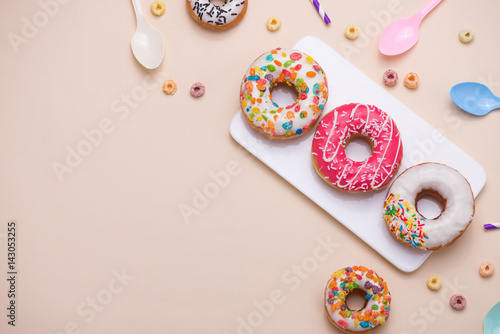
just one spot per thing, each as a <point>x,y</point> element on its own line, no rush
<point>334,132</point>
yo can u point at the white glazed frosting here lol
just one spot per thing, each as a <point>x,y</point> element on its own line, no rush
<point>214,15</point>
<point>377,296</point>
<point>293,68</point>
<point>413,229</point>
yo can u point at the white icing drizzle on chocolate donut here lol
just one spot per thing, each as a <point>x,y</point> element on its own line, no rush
<point>211,14</point>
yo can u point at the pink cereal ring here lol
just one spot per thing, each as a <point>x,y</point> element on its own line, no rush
<point>197,89</point>
<point>458,302</point>
<point>390,78</point>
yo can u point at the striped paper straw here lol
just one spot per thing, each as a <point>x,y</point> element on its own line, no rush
<point>321,12</point>
<point>491,226</point>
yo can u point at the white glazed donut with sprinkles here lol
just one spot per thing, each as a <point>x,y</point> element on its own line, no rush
<point>216,17</point>
<point>290,67</point>
<point>443,183</point>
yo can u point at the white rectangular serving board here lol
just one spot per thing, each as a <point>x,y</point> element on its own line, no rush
<point>360,213</point>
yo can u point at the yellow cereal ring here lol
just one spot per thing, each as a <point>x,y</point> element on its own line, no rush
<point>434,282</point>
<point>465,36</point>
<point>351,31</point>
<point>158,8</point>
<point>486,269</point>
<point>273,23</point>
<point>411,80</point>
<point>170,87</point>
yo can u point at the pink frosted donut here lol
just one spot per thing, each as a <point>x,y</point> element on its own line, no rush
<point>333,134</point>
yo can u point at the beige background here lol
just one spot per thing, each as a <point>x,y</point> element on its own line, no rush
<point>118,211</point>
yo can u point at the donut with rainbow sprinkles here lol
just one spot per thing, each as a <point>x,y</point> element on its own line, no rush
<point>445,184</point>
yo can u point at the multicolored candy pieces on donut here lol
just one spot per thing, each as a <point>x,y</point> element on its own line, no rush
<point>362,281</point>
<point>283,66</point>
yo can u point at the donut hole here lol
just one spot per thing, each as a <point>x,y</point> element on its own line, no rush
<point>218,3</point>
<point>284,94</point>
<point>411,78</point>
<point>358,148</point>
<point>430,204</point>
<point>356,300</point>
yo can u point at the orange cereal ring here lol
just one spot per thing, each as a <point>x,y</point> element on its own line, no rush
<point>411,80</point>
<point>170,87</point>
<point>486,269</point>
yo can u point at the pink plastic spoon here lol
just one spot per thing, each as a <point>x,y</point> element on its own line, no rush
<point>402,34</point>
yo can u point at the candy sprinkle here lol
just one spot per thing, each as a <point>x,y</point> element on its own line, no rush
<point>412,231</point>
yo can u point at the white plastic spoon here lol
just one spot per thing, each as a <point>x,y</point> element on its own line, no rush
<point>147,43</point>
